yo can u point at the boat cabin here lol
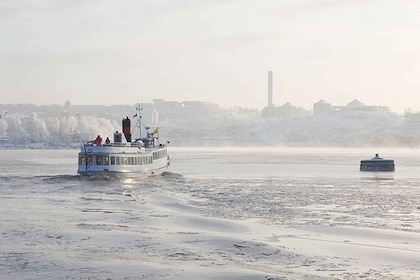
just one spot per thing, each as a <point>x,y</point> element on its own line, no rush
<point>377,164</point>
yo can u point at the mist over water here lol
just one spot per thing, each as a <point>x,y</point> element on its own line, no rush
<point>207,126</point>
<point>218,213</point>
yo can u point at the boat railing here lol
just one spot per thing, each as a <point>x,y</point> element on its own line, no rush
<point>123,144</point>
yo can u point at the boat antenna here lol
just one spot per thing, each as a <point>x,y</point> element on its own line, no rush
<point>139,108</point>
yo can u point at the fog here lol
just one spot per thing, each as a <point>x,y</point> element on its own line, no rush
<point>217,51</point>
<point>240,127</point>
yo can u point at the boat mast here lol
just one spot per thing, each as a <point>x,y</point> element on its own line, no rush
<point>139,108</point>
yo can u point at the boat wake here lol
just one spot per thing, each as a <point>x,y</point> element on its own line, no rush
<point>105,178</point>
<point>172,175</point>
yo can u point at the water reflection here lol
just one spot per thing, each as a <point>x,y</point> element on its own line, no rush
<point>377,176</point>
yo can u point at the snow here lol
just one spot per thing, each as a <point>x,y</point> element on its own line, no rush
<point>341,128</point>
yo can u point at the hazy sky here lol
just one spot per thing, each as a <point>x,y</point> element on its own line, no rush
<point>123,52</point>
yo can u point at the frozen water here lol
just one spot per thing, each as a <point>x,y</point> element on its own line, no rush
<point>219,213</point>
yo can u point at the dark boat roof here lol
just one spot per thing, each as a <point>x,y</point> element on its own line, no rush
<point>377,158</point>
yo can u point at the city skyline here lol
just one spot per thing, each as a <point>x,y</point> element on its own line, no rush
<point>213,51</point>
<point>192,103</point>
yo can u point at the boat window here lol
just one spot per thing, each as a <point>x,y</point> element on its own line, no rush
<point>118,160</point>
<point>160,154</point>
<point>98,160</point>
<point>112,160</point>
<point>146,160</point>
<point>106,160</point>
<point>81,160</point>
<point>89,159</point>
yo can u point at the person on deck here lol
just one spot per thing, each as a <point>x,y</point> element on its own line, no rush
<point>107,141</point>
<point>98,140</point>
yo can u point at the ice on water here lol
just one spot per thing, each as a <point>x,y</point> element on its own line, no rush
<point>219,213</point>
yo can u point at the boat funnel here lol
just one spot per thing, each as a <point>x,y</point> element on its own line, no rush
<point>126,126</point>
<point>117,137</point>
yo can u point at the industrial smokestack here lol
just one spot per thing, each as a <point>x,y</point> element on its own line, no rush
<point>270,89</point>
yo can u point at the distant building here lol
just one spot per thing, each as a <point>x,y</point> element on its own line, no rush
<point>355,104</point>
<point>174,110</point>
<point>322,106</point>
<point>270,89</point>
<point>286,111</point>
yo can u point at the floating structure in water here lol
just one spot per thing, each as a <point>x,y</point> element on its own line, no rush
<point>377,164</point>
<point>143,156</point>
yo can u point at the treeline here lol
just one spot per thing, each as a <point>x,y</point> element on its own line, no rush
<point>55,130</point>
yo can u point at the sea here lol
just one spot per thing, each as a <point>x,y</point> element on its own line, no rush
<point>217,213</point>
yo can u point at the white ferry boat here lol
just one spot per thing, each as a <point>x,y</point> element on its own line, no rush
<point>142,157</point>
<point>377,164</point>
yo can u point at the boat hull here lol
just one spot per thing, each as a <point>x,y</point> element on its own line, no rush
<point>122,174</point>
<point>377,165</point>
<point>104,161</point>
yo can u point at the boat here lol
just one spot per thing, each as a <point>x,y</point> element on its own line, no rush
<point>377,164</point>
<point>123,157</point>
